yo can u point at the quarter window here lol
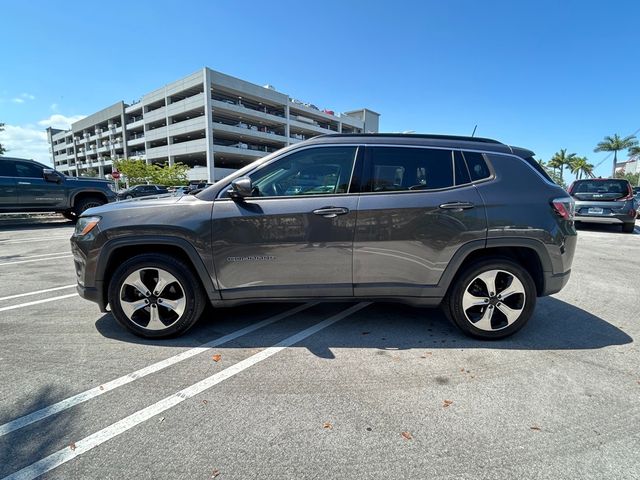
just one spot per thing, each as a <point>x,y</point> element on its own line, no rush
<point>392,169</point>
<point>314,171</point>
<point>478,168</point>
<point>28,170</point>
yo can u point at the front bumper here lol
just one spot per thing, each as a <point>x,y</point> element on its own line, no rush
<point>94,294</point>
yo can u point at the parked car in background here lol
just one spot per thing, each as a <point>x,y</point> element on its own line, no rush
<point>179,191</point>
<point>142,191</point>
<point>605,200</point>
<point>470,224</point>
<point>29,186</point>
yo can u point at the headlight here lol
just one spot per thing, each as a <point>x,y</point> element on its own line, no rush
<point>112,187</point>
<point>84,225</point>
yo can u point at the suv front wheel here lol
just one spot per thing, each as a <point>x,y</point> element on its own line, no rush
<point>155,296</point>
<point>491,299</point>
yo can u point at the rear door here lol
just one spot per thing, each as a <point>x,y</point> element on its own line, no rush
<point>8,185</point>
<point>416,209</point>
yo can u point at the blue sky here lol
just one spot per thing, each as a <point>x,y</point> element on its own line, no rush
<point>540,74</point>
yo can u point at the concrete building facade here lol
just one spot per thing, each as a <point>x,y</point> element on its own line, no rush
<point>210,121</point>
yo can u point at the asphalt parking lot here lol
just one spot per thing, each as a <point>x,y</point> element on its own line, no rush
<point>318,390</point>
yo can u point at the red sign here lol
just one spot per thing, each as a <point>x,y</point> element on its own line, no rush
<point>115,175</point>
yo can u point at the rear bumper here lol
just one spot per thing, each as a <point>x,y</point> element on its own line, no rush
<point>555,283</point>
<point>606,219</point>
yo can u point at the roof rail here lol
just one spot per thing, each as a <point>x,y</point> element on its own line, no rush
<point>413,135</point>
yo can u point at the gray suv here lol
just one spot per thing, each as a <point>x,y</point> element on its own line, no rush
<point>470,224</point>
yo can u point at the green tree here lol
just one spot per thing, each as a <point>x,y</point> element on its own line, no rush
<point>614,144</point>
<point>635,152</point>
<point>168,175</point>
<point>136,171</point>
<point>634,178</point>
<point>580,166</point>
<point>560,160</point>
<point>2,148</point>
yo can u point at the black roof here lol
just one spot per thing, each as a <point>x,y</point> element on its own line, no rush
<point>435,140</point>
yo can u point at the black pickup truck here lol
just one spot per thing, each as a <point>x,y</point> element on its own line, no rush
<point>29,186</point>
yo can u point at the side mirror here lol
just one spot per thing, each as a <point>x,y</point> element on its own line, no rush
<point>51,175</point>
<point>241,188</point>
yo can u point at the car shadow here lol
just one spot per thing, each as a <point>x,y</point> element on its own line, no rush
<point>555,325</point>
<point>25,445</point>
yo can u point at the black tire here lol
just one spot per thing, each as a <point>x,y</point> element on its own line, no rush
<point>628,227</point>
<point>86,203</point>
<point>187,283</point>
<point>128,197</point>
<point>499,324</point>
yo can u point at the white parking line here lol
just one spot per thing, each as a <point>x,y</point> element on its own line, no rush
<point>35,256</point>
<point>36,292</point>
<point>30,240</point>
<point>143,372</point>
<point>36,260</point>
<point>37,302</point>
<point>82,446</point>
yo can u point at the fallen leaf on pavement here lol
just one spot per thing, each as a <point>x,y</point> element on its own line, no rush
<point>215,473</point>
<point>217,357</point>
<point>161,419</point>
<point>446,403</point>
<point>72,446</point>
<point>536,428</point>
<point>407,435</point>
<point>327,426</point>
<point>205,401</point>
<point>101,387</point>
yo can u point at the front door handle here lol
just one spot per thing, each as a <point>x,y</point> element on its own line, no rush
<point>331,212</point>
<point>24,183</point>
<point>457,206</point>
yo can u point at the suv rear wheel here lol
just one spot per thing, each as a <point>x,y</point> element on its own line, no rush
<point>155,296</point>
<point>492,299</point>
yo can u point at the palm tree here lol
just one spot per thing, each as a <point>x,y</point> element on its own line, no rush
<point>580,166</point>
<point>614,144</point>
<point>634,151</point>
<point>560,160</point>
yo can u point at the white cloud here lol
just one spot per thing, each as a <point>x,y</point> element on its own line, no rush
<point>60,121</point>
<point>28,96</point>
<point>54,107</point>
<point>25,142</point>
<point>22,97</point>
<point>17,100</point>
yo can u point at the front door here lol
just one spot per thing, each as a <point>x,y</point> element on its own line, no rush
<point>417,207</point>
<point>294,236</point>
<point>34,191</point>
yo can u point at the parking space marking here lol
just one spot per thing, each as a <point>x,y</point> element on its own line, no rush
<point>37,302</point>
<point>34,256</point>
<point>27,294</point>
<point>82,446</point>
<point>36,260</point>
<point>143,372</point>
<point>30,240</point>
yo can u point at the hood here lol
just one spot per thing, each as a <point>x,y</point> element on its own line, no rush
<point>142,202</point>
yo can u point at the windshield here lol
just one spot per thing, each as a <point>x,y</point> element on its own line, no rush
<point>600,189</point>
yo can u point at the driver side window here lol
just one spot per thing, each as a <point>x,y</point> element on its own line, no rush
<point>28,170</point>
<point>313,171</point>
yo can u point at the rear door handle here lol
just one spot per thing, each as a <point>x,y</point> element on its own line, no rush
<point>24,183</point>
<point>331,212</point>
<point>457,206</point>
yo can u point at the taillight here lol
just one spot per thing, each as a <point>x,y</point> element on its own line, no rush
<point>629,194</point>
<point>564,207</point>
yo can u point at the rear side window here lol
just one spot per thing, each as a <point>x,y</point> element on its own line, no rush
<point>478,168</point>
<point>391,169</point>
